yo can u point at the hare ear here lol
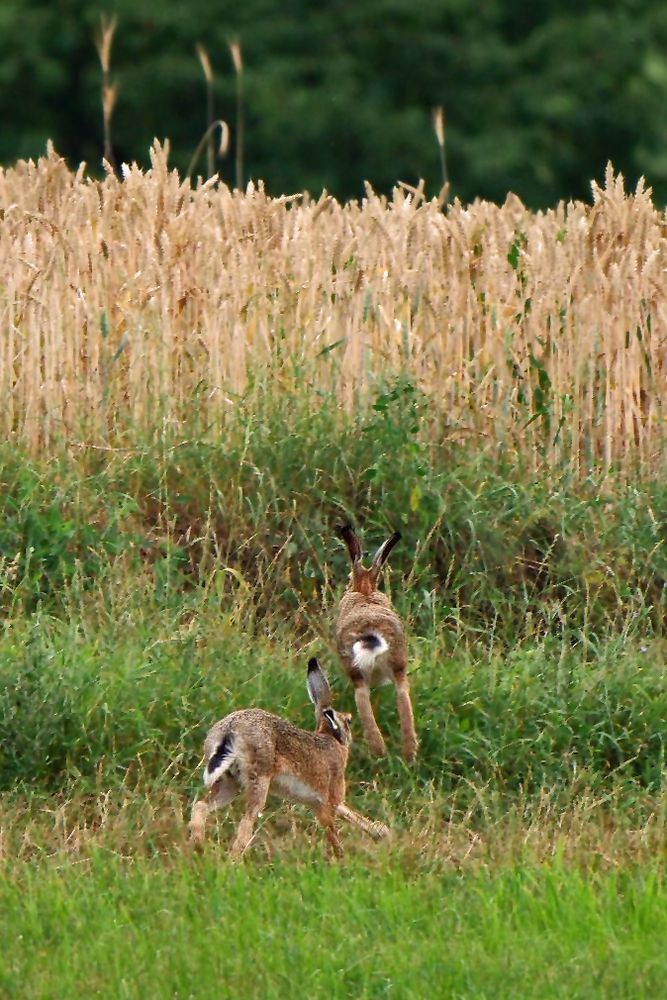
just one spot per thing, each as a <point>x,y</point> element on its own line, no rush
<point>382,554</point>
<point>319,691</point>
<point>347,533</point>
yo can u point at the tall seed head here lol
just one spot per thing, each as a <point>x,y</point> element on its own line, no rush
<point>205,63</point>
<point>104,41</point>
<point>237,58</point>
<point>439,125</point>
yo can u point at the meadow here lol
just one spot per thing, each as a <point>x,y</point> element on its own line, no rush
<point>199,385</point>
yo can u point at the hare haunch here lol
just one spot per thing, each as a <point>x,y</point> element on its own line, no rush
<point>372,645</point>
<point>260,753</point>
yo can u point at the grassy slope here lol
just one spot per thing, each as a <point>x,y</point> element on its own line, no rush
<point>148,592</point>
<point>202,929</point>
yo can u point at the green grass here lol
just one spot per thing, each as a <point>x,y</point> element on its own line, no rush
<point>204,929</point>
<point>527,857</point>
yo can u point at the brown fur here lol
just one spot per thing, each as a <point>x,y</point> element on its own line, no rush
<point>365,610</point>
<point>271,755</point>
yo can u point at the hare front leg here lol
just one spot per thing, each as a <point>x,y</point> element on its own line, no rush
<point>408,733</point>
<point>221,793</point>
<point>362,697</point>
<point>256,795</point>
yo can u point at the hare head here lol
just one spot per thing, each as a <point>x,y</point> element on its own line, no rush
<point>336,724</point>
<point>364,580</point>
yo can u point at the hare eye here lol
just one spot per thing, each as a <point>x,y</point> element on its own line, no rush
<point>330,716</point>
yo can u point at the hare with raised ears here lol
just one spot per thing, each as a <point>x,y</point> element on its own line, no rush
<point>371,643</point>
<point>260,753</point>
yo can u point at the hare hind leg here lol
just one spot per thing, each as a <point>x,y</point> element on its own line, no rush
<point>406,716</point>
<point>256,795</point>
<point>326,816</point>
<point>374,829</point>
<point>222,792</point>
<point>374,738</point>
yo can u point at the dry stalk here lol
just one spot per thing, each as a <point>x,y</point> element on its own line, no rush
<point>237,59</point>
<point>103,43</point>
<point>207,69</point>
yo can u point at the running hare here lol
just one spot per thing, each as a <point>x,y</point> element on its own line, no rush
<point>372,645</point>
<point>260,753</point>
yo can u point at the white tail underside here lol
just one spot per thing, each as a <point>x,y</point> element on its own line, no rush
<point>222,768</point>
<point>363,657</point>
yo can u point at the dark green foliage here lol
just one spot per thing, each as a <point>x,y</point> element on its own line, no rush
<point>485,545</point>
<point>131,703</point>
<point>54,528</point>
<point>76,709</point>
<point>537,98</point>
<point>531,721</point>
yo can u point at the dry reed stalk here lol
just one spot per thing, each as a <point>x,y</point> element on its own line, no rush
<point>103,43</point>
<point>207,70</point>
<point>124,299</point>
<point>439,129</point>
<point>237,59</point>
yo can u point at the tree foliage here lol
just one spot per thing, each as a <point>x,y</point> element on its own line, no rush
<point>537,96</point>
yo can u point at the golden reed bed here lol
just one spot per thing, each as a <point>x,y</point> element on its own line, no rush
<point>135,301</point>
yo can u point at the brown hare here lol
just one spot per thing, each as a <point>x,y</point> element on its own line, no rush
<point>261,753</point>
<point>372,645</point>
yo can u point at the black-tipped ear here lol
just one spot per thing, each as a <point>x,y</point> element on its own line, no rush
<point>347,533</point>
<point>319,691</point>
<point>382,554</point>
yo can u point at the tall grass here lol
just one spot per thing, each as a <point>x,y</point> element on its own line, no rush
<point>123,685</point>
<point>488,550</point>
<point>134,302</point>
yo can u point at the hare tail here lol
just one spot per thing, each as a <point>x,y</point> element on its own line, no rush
<point>366,650</point>
<point>220,760</point>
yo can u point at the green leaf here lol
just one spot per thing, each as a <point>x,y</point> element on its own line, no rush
<point>331,347</point>
<point>514,255</point>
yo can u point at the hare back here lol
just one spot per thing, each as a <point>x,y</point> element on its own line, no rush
<point>359,614</point>
<point>352,600</point>
<point>240,721</point>
<point>264,744</point>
